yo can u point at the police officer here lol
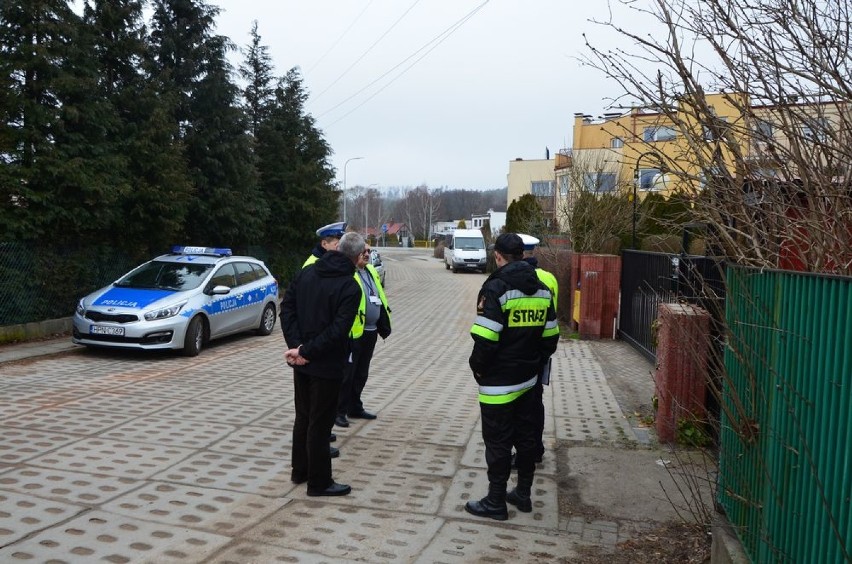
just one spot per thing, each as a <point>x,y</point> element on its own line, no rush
<point>549,280</point>
<point>514,334</point>
<point>329,238</point>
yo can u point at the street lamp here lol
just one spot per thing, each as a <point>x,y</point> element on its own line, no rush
<point>636,180</point>
<point>344,184</point>
<point>367,212</point>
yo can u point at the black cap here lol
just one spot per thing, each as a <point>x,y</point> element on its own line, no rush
<point>509,244</point>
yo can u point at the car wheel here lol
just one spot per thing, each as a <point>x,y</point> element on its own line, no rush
<point>194,340</point>
<point>267,320</point>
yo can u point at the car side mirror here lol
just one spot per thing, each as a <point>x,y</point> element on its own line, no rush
<point>220,291</point>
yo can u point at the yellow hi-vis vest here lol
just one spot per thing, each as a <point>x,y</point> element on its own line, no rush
<point>357,330</point>
<point>549,280</point>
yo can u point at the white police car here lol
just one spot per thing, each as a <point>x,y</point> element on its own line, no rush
<point>180,301</point>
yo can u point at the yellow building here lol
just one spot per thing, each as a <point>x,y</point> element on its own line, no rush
<point>534,177</point>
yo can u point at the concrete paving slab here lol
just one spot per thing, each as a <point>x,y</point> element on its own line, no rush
<point>22,515</point>
<point>261,553</point>
<point>81,488</point>
<point>71,420</point>
<point>113,458</point>
<point>249,474</point>
<point>464,542</point>
<point>254,440</point>
<point>414,457</point>
<point>204,509</point>
<point>101,536</point>
<point>335,531</point>
<point>21,445</point>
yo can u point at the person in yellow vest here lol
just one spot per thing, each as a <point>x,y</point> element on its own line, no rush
<point>514,334</point>
<point>550,281</point>
<point>377,323</point>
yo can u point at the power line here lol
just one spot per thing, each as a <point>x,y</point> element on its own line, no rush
<point>342,35</point>
<point>370,48</point>
<point>437,40</point>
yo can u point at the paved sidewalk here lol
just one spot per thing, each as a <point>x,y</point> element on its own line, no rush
<point>159,458</point>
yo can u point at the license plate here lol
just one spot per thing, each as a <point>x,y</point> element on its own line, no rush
<point>100,330</point>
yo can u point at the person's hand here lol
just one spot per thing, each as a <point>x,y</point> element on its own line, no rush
<point>293,358</point>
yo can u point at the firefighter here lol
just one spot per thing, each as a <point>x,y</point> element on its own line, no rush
<point>514,334</point>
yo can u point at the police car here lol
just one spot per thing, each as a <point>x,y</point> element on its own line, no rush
<point>180,300</point>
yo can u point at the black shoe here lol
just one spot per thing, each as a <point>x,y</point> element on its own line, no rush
<point>332,437</point>
<point>483,508</point>
<point>297,479</point>
<point>333,452</point>
<point>524,504</point>
<point>333,489</point>
<point>363,415</point>
<point>341,421</point>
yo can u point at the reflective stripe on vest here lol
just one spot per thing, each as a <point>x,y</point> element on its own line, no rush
<point>486,328</point>
<point>497,395</point>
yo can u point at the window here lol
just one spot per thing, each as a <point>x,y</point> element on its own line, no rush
<point>721,124</point>
<point>542,188</point>
<point>245,273</point>
<point>616,143</point>
<point>763,129</point>
<point>599,182</point>
<point>647,178</point>
<point>224,277</point>
<point>815,129</point>
<point>564,185</point>
<point>658,133</point>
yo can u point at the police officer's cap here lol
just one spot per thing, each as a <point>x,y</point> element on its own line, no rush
<point>529,241</point>
<point>332,230</point>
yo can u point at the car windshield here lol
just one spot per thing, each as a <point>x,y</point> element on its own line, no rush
<point>166,276</point>
<point>469,243</point>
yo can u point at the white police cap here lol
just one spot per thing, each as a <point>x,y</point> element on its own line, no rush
<point>332,230</point>
<point>529,241</point>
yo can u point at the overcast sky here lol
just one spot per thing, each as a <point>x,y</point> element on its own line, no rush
<point>437,92</point>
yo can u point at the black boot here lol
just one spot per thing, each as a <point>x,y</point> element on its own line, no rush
<point>520,497</point>
<point>493,505</point>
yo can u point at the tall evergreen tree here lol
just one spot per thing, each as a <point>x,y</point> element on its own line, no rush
<point>153,208</point>
<point>192,63</point>
<point>257,72</point>
<point>295,174</point>
<point>35,41</point>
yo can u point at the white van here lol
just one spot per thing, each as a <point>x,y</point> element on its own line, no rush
<point>465,251</point>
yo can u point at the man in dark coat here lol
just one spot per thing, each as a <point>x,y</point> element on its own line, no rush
<point>316,316</point>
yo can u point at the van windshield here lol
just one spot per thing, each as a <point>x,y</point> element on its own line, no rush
<point>469,243</point>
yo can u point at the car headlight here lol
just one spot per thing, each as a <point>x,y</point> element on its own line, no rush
<point>165,312</point>
<point>81,309</point>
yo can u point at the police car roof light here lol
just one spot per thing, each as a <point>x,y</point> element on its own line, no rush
<point>215,251</point>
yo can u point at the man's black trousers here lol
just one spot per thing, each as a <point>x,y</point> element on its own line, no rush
<point>316,406</point>
<point>507,425</point>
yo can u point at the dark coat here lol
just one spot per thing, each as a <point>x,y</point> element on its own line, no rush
<point>520,349</point>
<point>317,313</point>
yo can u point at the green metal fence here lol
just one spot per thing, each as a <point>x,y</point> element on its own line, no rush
<point>786,438</point>
<point>38,283</point>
